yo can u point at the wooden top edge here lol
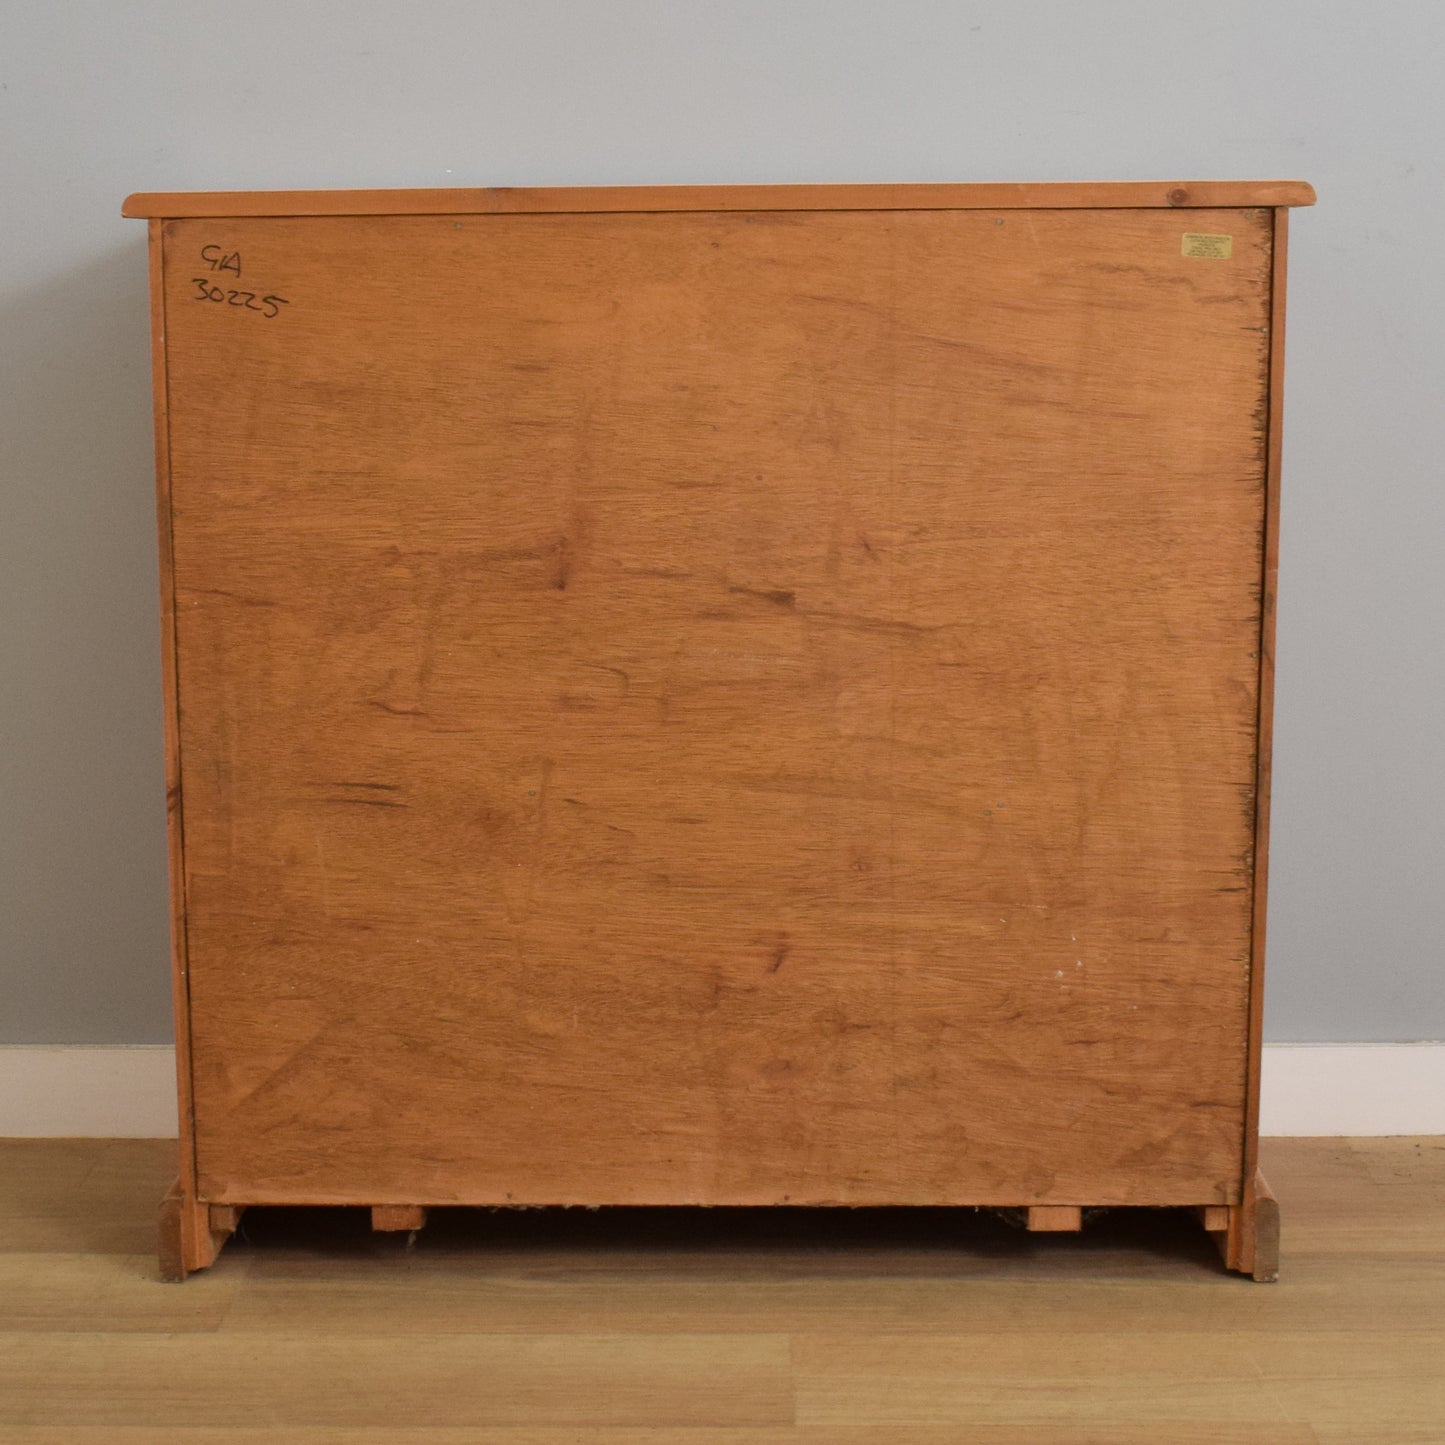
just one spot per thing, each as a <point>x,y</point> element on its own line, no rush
<point>989,196</point>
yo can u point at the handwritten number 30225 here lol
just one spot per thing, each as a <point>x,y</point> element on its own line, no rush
<point>268,306</point>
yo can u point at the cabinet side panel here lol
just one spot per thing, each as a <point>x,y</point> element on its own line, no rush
<point>720,708</point>
<point>1269,586</point>
<point>175,843</point>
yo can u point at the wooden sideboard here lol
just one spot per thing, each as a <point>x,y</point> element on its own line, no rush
<point>719,696</point>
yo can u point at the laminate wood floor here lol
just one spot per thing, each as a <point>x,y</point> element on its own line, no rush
<point>722,1327</point>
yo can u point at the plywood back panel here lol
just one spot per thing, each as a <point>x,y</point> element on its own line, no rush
<point>725,708</point>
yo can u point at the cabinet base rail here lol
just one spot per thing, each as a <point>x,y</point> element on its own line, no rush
<point>193,1232</point>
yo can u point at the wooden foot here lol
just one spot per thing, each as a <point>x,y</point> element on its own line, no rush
<point>1055,1218</point>
<point>1214,1217</point>
<point>1264,1265</point>
<point>192,1233</point>
<point>1248,1233</point>
<point>394,1218</point>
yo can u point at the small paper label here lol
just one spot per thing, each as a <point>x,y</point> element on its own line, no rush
<point>1206,247</point>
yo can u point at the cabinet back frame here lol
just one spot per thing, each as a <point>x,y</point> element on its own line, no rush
<point>186,1241</point>
<point>1269,586</point>
<point>493,200</point>
<point>198,1243</point>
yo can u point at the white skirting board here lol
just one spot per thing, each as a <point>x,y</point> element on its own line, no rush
<point>80,1091</point>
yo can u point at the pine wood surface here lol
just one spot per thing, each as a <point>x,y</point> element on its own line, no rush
<point>182,1199</point>
<point>1264,760</point>
<point>503,199</point>
<point>723,1327</point>
<point>720,708</point>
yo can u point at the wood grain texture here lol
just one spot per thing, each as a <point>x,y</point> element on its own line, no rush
<point>1269,590</point>
<point>1055,1218</point>
<point>106,1293</point>
<point>190,1233</point>
<point>398,1217</point>
<point>720,708</point>
<point>1215,1218</point>
<point>175,839</point>
<point>771,1328</point>
<point>962,1433</point>
<point>225,1218</point>
<point>673,1380</point>
<point>1264,1261</point>
<point>894,1278</point>
<point>1092,1378</point>
<point>83,1196</point>
<point>172,1255</point>
<point>512,199</point>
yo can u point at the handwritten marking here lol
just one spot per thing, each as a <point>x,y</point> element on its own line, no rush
<point>218,259</point>
<point>269,306</point>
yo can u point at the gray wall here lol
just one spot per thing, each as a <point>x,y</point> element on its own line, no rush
<point>99,99</point>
